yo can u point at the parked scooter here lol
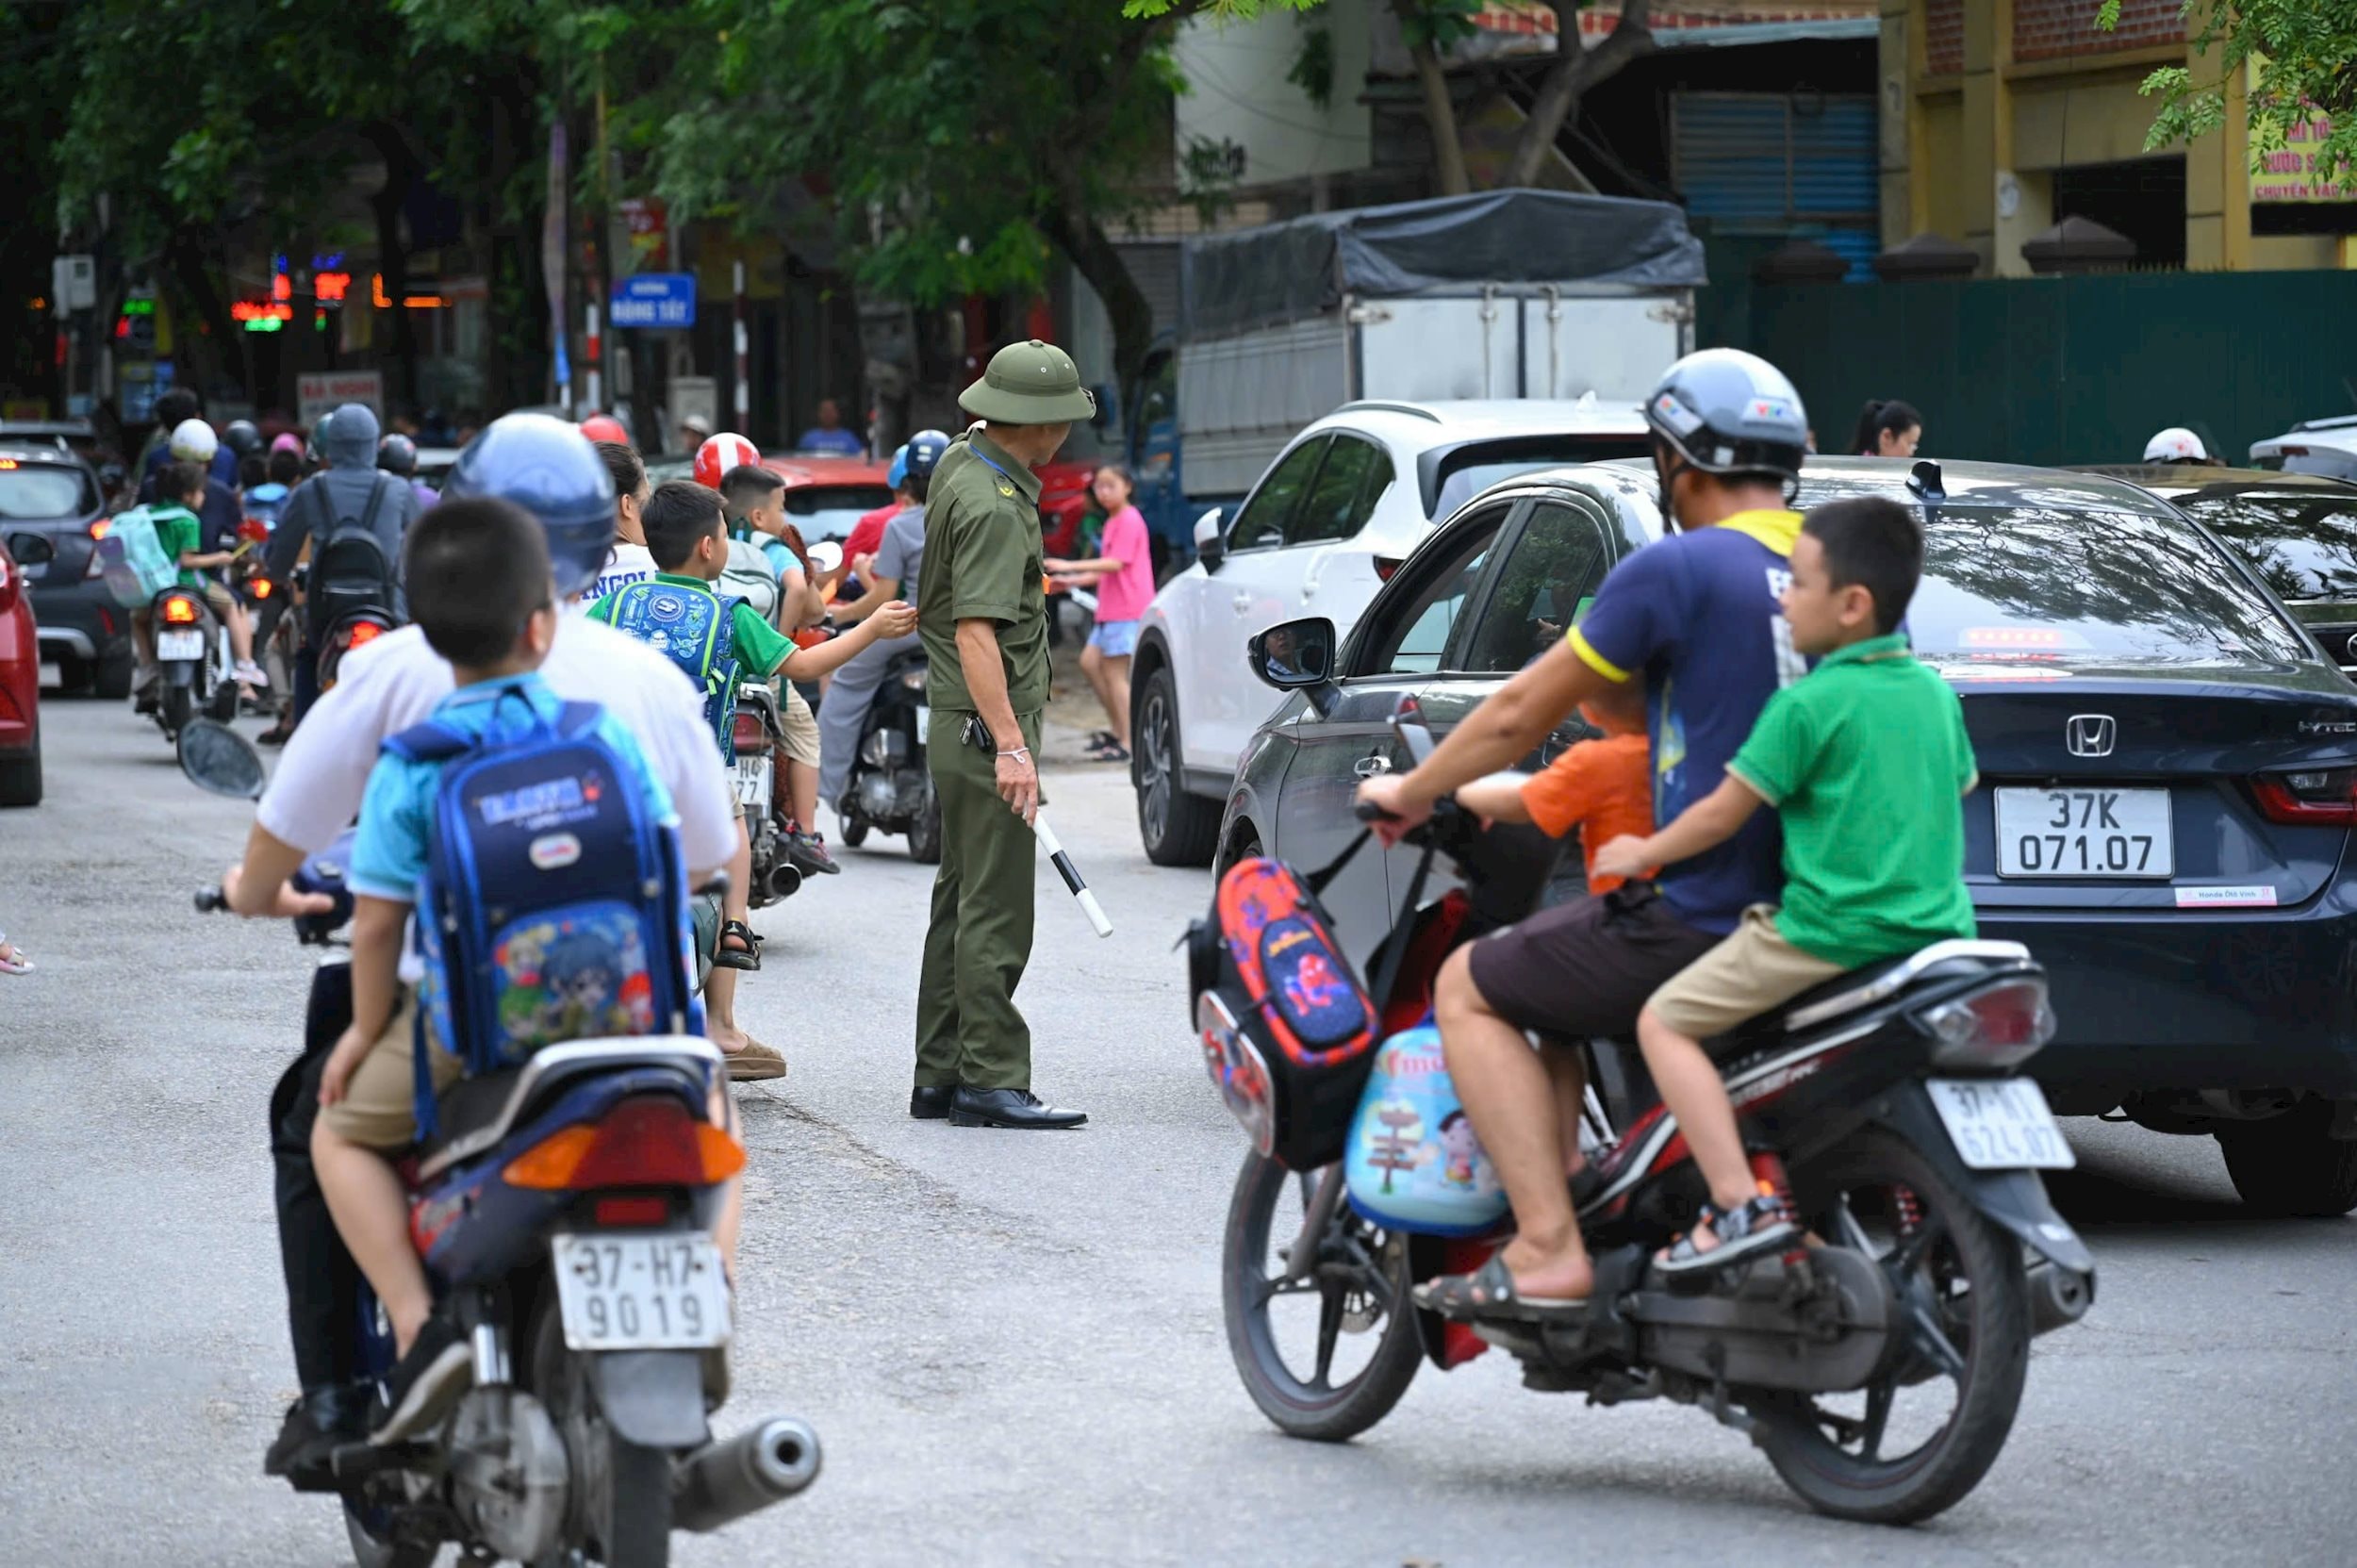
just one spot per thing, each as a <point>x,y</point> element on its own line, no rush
<point>891,788</point>
<point>564,1212</point>
<point>195,668</point>
<point>758,738</point>
<point>1879,1366</point>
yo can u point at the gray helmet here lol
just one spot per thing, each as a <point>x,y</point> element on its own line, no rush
<point>1030,383</point>
<point>1727,412</point>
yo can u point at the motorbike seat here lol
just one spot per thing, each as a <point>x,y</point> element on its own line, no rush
<point>468,1106</point>
<point>1855,990</point>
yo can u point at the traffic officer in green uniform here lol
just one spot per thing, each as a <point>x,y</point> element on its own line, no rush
<point>982,614</point>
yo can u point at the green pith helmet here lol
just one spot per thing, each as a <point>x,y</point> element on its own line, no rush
<point>1031,382</point>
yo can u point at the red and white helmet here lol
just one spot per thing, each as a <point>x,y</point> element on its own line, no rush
<point>2176,445</point>
<point>605,427</point>
<point>720,453</point>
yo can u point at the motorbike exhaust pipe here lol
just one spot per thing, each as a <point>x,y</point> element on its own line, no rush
<point>786,880</point>
<point>2058,1296</point>
<point>724,1481</point>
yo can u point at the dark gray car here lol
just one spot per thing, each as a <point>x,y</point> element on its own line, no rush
<point>46,490</point>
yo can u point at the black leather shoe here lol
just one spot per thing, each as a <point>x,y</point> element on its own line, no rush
<point>1012,1108</point>
<point>317,1425</point>
<point>930,1102</point>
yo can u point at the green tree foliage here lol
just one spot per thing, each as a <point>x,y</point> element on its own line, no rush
<point>2306,55</point>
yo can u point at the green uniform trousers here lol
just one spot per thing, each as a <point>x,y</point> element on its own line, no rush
<point>967,1029</point>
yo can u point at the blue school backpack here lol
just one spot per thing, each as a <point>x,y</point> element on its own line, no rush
<point>1413,1162</point>
<point>696,631</point>
<point>551,907</point>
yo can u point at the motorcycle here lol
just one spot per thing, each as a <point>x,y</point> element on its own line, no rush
<point>891,788</point>
<point>564,1212</point>
<point>195,668</point>
<point>355,628</point>
<point>1879,1366</point>
<point>757,735</point>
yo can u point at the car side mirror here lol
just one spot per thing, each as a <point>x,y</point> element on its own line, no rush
<point>1210,533</point>
<point>1295,655</point>
<point>32,550</point>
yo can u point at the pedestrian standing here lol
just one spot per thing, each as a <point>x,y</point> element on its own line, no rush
<point>1122,572</point>
<point>982,612</point>
<point>1887,428</point>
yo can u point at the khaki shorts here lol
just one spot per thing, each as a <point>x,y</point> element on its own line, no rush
<point>800,724</point>
<point>1754,970</point>
<point>379,1110</point>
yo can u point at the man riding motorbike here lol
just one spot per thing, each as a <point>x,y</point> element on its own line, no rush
<point>397,454</point>
<point>894,563</point>
<point>545,466</point>
<point>1696,617</point>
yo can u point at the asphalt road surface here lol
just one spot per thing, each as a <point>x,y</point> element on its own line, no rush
<point>1010,1344</point>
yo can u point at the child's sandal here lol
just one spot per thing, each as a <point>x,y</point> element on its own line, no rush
<point>745,955</point>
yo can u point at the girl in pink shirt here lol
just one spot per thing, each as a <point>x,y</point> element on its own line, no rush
<point>1123,576</point>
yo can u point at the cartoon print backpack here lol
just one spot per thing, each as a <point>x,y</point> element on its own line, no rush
<point>696,631</point>
<point>1288,1032</point>
<point>1413,1162</point>
<point>132,559</point>
<point>553,908</point>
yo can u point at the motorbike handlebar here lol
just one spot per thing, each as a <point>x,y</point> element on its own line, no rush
<point>1367,811</point>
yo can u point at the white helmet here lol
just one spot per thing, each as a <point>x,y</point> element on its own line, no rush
<point>2176,445</point>
<point>194,441</point>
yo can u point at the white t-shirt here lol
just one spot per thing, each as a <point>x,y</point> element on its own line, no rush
<point>388,684</point>
<point>629,563</point>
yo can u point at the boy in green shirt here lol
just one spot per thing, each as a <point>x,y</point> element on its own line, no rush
<point>1865,760</point>
<point>179,489</point>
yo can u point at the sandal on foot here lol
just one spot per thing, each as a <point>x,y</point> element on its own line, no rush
<point>1761,1224</point>
<point>1489,1295</point>
<point>746,955</point>
<point>754,1062</point>
<point>1113,750</point>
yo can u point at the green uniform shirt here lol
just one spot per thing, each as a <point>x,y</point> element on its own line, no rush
<point>761,648</point>
<point>1865,760</point>
<point>180,533</point>
<point>982,556</point>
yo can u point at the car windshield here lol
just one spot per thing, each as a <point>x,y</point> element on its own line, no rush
<point>828,511</point>
<point>1463,472</point>
<point>2304,544</point>
<point>2031,583</point>
<point>33,491</point>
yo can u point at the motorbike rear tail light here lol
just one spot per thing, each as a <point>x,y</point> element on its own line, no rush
<point>624,1213</point>
<point>361,632</point>
<point>747,733</point>
<point>647,1141</point>
<point>179,611</point>
<point>2313,797</point>
<point>262,587</point>
<point>1991,1030</point>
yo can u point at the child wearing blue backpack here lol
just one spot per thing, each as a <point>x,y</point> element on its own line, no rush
<point>508,798</point>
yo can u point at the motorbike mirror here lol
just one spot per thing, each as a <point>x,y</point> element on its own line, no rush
<point>219,760</point>
<point>826,555</point>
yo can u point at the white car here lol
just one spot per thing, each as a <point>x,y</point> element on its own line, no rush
<point>2328,447</point>
<point>1333,517</point>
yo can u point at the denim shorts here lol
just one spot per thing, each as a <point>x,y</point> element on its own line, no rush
<point>1115,639</point>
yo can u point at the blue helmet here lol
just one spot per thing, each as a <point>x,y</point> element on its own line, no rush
<point>546,466</point>
<point>898,474</point>
<point>923,453</point>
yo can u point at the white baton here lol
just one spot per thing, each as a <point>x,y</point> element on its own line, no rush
<point>1064,869</point>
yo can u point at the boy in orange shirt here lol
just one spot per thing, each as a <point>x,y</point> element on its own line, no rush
<point>1602,787</point>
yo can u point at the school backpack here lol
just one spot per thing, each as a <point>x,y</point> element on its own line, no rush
<point>350,569</point>
<point>750,576</point>
<point>552,906</point>
<point>1287,1029</point>
<point>696,631</point>
<point>1414,1162</point>
<point>132,559</point>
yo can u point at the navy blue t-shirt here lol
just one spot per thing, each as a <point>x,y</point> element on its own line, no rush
<point>1699,616</point>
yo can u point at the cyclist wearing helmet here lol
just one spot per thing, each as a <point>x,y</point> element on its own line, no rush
<point>1695,616</point>
<point>543,465</point>
<point>173,409</point>
<point>397,454</point>
<point>892,570</point>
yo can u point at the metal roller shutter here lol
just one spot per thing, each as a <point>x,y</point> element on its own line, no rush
<point>1781,164</point>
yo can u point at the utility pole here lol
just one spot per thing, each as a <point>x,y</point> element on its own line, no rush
<point>742,401</point>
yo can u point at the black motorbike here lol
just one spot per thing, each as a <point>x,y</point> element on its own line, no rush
<point>759,737</point>
<point>195,670</point>
<point>1879,1366</point>
<point>891,789</point>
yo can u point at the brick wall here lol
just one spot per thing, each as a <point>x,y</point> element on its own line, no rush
<point>1943,37</point>
<point>2048,29</point>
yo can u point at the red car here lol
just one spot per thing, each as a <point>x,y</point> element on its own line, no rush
<point>824,496</point>
<point>19,677</point>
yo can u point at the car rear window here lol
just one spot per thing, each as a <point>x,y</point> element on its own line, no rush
<point>828,511</point>
<point>38,491</point>
<point>2304,545</point>
<point>2030,583</point>
<point>1458,474</point>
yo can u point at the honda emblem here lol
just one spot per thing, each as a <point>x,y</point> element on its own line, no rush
<point>2090,735</point>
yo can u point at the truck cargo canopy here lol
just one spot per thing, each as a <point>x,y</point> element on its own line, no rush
<point>1515,238</point>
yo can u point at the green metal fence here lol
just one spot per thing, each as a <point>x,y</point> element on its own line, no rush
<point>2049,371</point>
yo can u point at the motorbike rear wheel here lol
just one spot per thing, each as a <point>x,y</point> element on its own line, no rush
<point>925,830</point>
<point>1963,1321</point>
<point>179,706</point>
<point>1360,1286</point>
<point>371,1550</point>
<point>627,1505</point>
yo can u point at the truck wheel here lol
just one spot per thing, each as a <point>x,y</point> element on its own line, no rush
<point>1177,829</point>
<point>20,775</point>
<point>2291,1164</point>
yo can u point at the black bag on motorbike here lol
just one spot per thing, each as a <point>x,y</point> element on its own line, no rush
<point>350,569</point>
<point>1288,1032</point>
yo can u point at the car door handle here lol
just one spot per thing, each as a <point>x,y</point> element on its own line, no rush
<point>1374,766</point>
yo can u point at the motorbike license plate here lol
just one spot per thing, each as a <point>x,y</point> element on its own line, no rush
<point>179,645</point>
<point>753,783</point>
<point>924,718</point>
<point>2084,833</point>
<point>640,1293</point>
<point>2001,1124</point>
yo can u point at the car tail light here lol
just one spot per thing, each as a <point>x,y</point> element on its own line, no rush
<point>180,612</point>
<point>748,734</point>
<point>648,1141</point>
<point>2314,798</point>
<point>1386,565</point>
<point>99,525</point>
<point>1996,1028</point>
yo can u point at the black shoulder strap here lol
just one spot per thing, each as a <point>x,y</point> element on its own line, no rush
<point>1316,880</point>
<point>1395,948</point>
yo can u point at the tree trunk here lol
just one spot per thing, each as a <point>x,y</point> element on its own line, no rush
<point>1575,71</point>
<point>1083,241</point>
<point>224,349</point>
<point>1439,110</point>
<point>401,172</point>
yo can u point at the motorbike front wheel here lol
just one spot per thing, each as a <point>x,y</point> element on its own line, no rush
<point>1357,1290</point>
<point>1919,1438</point>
